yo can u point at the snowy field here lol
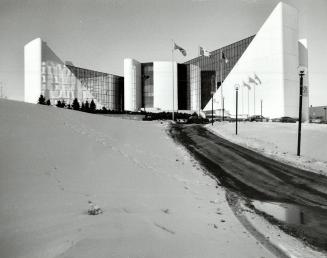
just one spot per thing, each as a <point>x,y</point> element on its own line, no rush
<point>279,141</point>
<point>157,201</point>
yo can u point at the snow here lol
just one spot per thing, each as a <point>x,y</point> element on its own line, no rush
<point>279,141</point>
<point>156,200</point>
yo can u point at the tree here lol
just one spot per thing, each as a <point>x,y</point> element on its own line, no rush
<point>75,104</point>
<point>87,106</point>
<point>93,107</point>
<point>41,100</point>
<point>83,107</point>
<point>63,104</point>
<point>58,103</point>
<point>48,102</point>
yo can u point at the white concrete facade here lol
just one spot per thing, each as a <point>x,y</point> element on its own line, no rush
<point>195,87</point>
<point>269,65</point>
<point>32,71</point>
<point>45,73</point>
<point>303,61</point>
<point>132,85</point>
<point>163,89</point>
<point>163,74</point>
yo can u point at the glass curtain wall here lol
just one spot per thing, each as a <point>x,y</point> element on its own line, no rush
<point>147,85</point>
<point>107,89</point>
<point>202,68</point>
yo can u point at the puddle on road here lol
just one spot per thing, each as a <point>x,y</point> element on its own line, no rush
<point>308,223</point>
<point>287,213</point>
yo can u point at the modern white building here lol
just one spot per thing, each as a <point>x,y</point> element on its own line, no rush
<point>264,67</point>
<point>46,74</point>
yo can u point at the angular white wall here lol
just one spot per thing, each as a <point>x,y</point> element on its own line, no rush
<point>46,74</point>
<point>303,61</point>
<point>163,75</point>
<point>132,85</point>
<point>32,70</point>
<point>273,57</point>
<point>291,60</point>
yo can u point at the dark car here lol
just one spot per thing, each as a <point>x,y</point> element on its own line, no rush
<point>147,117</point>
<point>284,119</point>
<point>276,119</point>
<point>197,120</point>
<point>256,119</point>
<point>287,119</point>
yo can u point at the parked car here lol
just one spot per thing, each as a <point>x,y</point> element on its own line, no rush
<point>285,119</point>
<point>275,119</point>
<point>147,117</point>
<point>197,120</point>
<point>256,119</point>
<point>316,121</point>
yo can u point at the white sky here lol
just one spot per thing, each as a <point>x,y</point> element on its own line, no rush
<point>99,34</point>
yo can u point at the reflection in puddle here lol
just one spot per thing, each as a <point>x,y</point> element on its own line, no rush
<point>288,213</point>
<point>308,223</point>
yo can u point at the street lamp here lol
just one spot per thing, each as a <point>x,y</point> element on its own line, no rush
<point>261,110</point>
<point>236,89</point>
<point>213,85</point>
<point>302,70</point>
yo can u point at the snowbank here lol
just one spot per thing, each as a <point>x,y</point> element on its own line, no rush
<point>279,141</point>
<point>156,200</point>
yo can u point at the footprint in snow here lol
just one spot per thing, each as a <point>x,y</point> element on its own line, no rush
<point>165,211</point>
<point>164,228</point>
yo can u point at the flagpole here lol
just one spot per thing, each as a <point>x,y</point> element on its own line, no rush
<point>242,100</point>
<point>248,102</point>
<point>199,101</point>
<point>221,78</point>
<point>254,99</point>
<point>172,57</point>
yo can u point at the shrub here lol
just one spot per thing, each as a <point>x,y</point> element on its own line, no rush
<point>41,100</point>
<point>92,106</point>
<point>75,105</point>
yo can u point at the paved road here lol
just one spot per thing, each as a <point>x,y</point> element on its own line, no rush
<point>260,178</point>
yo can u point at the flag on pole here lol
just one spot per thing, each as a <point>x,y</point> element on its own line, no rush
<point>224,57</point>
<point>246,85</point>
<point>257,78</point>
<point>204,52</point>
<point>183,51</point>
<point>251,80</point>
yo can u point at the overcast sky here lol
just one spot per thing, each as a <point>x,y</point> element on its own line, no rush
<point>99,34</point>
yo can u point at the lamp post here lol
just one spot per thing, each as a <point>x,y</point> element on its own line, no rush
<point>236,89</point>
<point>302,71</point>
<point>261,110</point>
<point>211,108</point>
<point>223,108</point>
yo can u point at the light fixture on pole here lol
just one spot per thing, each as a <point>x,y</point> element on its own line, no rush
<point>261,110</point>
<point>302,71</point>
<point>212,93</point>
<point>236,89</point>
<point>222,59</point>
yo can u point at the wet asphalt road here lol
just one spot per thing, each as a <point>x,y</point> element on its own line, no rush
<point>256,177</point>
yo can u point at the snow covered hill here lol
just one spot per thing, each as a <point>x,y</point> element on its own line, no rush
<point>156,199</point>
